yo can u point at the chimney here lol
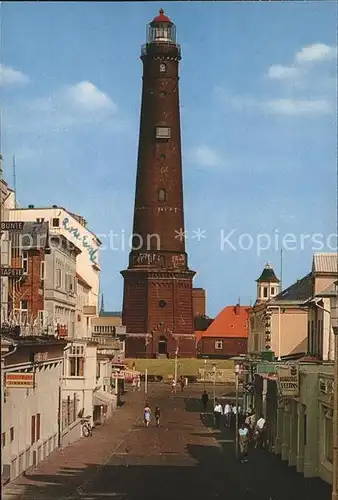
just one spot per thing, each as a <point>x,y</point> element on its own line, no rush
<point>237,309</point>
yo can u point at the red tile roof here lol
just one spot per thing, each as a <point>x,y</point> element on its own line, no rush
<point>231,322</point>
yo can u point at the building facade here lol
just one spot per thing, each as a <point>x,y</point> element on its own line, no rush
<point>277,320</point>
<point>74,228</point>
<point>83,320</point>
<point>30,402</point>
<point>158,301</point>
<point>7,202</point>
<point>227,335</point>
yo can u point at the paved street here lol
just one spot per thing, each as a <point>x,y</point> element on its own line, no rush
<point>184,458</point>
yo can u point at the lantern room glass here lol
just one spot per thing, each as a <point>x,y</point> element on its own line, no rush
<point>161,32</point>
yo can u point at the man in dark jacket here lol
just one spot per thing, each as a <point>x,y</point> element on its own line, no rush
<point>205,399</point>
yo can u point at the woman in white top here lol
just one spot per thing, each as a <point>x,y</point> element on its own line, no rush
<point>218,412</point>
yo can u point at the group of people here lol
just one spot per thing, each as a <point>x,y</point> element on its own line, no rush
<point>147,414</point>
<point>174,384</point>
<point>250,430</point>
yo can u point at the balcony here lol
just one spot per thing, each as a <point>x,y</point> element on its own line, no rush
<point>163,48</point>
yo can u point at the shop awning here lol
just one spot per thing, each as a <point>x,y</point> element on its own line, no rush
<point>103,398</point>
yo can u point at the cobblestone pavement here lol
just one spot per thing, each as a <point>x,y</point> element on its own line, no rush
<point>183,458</point>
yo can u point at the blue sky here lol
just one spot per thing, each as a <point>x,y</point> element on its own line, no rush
<point>258,107</point>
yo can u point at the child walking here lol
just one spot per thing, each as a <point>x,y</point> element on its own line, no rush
<point>157,416</point>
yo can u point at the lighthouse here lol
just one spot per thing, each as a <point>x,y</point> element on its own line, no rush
<point>158,298</point>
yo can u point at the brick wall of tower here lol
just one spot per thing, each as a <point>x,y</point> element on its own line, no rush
<point>134,305</point>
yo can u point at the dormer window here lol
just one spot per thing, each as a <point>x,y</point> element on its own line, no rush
<point>162,195</point>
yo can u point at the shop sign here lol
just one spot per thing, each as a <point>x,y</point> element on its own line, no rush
<point>288,379</point>
<point>20,380</point>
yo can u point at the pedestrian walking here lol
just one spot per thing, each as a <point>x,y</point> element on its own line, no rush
<point>218,412</point>
<point>138,383</point>
<point>243,434</point>
<point>182,383</point>
<point>133,384</point>
<point>233,414</point>
<point>147,415</point>
<point>227,415</point>
<point>157,416</point>
<point>173,385</point>
<point>205,399</point>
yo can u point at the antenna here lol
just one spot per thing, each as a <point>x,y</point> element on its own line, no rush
<point>239,301</point>
<point>14,180</point>
<point>281,270</point>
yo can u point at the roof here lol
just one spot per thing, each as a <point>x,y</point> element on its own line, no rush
<point>82,281</point>
<point>232,322</point>
<point>330,291</point>
<point>111,314</point>
<point>325,263</point>
<point>268,275</point>
<point>161,18</point>
<point>297,292</point>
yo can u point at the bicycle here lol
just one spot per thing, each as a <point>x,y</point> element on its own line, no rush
<point>87,429</point>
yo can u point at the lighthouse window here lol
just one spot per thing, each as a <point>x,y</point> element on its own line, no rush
<point>163,132</point>
<point>162,156</point>
<point>162,195</point>
<point>163,68</point>
<point>163,93</point>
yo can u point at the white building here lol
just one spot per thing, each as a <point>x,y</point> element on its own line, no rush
<point>60,285</point>
<point>7,202</point>
<point>74,228</point>
<point>29,413</point>
<point>83,321</point>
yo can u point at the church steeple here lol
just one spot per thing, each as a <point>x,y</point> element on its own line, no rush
<point>267,284</point>
<point>102,304</point>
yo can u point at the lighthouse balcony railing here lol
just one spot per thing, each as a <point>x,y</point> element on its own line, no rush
<point>165,47</point>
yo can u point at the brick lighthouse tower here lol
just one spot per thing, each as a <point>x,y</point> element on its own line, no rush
<point>157,302</point>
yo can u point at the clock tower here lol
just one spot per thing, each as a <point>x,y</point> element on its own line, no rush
<point>157,302</point>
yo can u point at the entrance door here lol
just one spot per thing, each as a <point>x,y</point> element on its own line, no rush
<point>162,345</point>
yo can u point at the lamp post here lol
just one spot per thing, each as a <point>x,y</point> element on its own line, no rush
<point>214,380</point>
<point>334,324</point>
<point>205,373</point>
<point>175,371</point>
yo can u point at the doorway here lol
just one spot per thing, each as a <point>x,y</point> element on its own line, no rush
<point>162,345</point>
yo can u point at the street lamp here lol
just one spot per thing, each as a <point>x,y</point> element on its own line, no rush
<point>205,373</point>
<point>334,324</point>
<point>175,373</point>
<point>214,370</point>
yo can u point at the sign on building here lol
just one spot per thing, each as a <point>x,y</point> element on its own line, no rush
<point>11,226</point>
<point>19,380</point>
<point>288,380</point>
<point>11,272</point>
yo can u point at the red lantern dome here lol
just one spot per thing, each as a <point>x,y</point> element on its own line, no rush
<point>161,18</point>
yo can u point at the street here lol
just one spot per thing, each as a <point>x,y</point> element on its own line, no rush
<point>183,458</point>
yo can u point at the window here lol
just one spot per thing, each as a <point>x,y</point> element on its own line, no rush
<point>163,132</point>
<point>265,292</point>
<point>163,93</point>
<point>24,305</point>
<point>25,262</point>
<point>272,290</point>
<point>56,222</point>
<point>328,438</point>
<point>162,156</point>
<point>76,361</point>
<point>58,278</point>
<point>218,344</point>
<point>162,195</point>
<point>3,439</point>
<point>163,68</point>
<point>42,270</point>
<point>33,430</point>
<point>38,426</point>
<point>11,433</point>
<point>162,303</point>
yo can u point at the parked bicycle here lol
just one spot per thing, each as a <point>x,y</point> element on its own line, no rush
<point>87,429</point>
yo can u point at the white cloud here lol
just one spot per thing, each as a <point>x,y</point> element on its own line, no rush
<point>298,107</point>
<point>279,72</point>
<point>316,52</point>
<point>88,97</point>
<point>10,76</point>
<point>204,156</point>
